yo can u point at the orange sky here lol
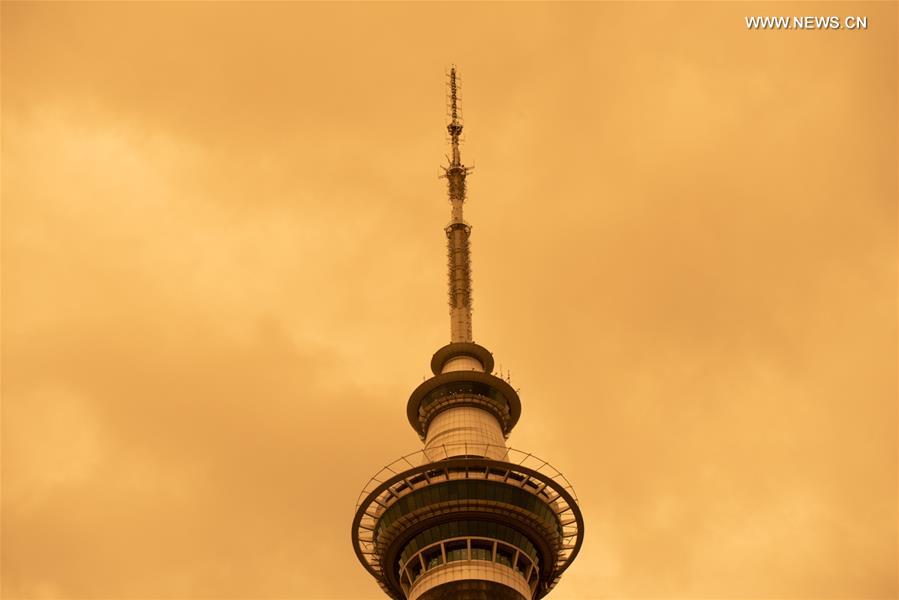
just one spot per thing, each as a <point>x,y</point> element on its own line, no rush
<point>224,271</point>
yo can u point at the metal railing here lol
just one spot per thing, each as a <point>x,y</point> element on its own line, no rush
<point>437,453</point>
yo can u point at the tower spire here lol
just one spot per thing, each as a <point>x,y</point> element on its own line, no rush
<point>454,127</point>
<point>458,231</point>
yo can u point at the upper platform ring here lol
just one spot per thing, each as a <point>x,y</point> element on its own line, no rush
<point>492,386</point>
<point>450,351</point>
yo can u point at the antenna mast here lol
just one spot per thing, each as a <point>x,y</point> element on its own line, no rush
<point>458,231</point>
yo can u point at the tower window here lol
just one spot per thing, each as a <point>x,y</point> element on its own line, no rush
<point>504,555</point>
<point>415,568</point>
<point>481,550</point>
<point>522,565</point>
<point>456,550</point>
<point>432,557</point>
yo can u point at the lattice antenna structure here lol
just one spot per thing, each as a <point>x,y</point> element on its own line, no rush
<point>454,112</point>
<point>458,231</point>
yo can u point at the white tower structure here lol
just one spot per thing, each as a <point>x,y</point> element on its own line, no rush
<point>466,517</point>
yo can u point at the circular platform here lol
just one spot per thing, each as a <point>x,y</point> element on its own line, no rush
<point>416,493</point>
<point>491,388</point>
<point>450,351</point>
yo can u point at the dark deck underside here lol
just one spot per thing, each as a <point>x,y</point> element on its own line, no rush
<point>472,589</point>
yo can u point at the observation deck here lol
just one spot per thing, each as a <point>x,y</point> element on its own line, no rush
<point>427,521</point>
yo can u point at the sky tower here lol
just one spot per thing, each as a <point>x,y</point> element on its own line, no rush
<point>465,518</point>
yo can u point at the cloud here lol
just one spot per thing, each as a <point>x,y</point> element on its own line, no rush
<point>224,273</point>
